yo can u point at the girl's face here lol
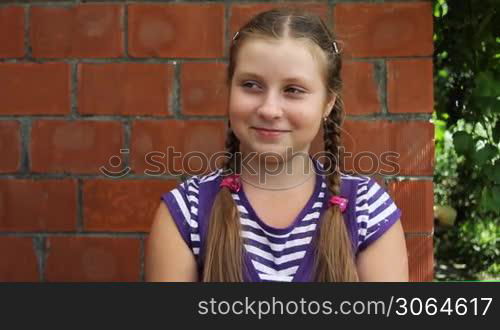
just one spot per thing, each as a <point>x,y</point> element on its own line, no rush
<point>278,97</point>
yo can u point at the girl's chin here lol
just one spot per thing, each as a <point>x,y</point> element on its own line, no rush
<point>271,151</point>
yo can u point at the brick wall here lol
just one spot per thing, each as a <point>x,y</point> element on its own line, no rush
<point>81,82</point>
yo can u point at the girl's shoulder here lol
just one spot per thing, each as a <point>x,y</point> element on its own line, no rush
<point>194,189</point>
<point>354,177</point>
<point>351,183</point>
<point>193,186</point>
<point>373,208</point>
<point>190,202</point>
<point>361,184</point>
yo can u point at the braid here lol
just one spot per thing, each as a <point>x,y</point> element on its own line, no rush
<point>332,142</point>
<point>233,162</point>
<point>224,247</point>
<point>334,255</point>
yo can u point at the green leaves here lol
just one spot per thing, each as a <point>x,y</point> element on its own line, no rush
<point>440,128</point>
<point>487,153</point>
<point>440,8</point>
<point>490,199</point>
<point>494,173</point>
<point>487,85</point>
<point>467,104</point>
<point>463,142</point>
<point>496,132</point>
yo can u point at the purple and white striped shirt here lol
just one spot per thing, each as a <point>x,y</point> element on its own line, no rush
<point>282,254</point>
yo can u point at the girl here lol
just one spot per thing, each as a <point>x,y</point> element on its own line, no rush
<point>239,223</point>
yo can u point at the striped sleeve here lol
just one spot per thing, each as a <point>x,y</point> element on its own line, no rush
<point>182,202</point>
<point>376,212</point>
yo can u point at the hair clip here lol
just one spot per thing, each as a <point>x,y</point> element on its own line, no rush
<point>340,201</point>
<point>232,182</point>
<point>335,47</point>
<point>236,35</point>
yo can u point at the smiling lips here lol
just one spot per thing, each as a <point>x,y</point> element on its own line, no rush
<point>265,132</point>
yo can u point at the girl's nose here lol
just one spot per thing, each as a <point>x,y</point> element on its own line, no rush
<point>271,107</point>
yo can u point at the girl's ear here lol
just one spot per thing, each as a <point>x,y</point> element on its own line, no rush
<point>329,105</point>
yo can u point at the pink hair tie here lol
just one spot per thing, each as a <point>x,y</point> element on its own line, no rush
<point>233,182</point>
<point>341,202</point>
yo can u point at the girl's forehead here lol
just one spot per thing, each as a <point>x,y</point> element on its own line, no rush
<point>279,57</point>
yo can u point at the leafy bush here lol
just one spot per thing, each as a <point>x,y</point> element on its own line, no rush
<point>467,119</point>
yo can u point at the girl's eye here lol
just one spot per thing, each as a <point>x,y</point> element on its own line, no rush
<point>250,85</point>
<point>293,90</point>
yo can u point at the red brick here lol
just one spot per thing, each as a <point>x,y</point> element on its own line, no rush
<point>176,30</point>
<point>360,91</point>
<point>204,89</point>
<point>410,86</point>
<point>10,146</point>
<point>37,205</point>
<point>202,136</point>
<point>420,258</point>
<point>74,146</point>
<point>18,260</point>
<point>34,89</point>
<point>92,259</point>
<point>416,200</point>
<point>124,205</point>
<point>385,29</point>
<point>11,32</point>
<point>125,88</point>
<point>411,141</point>
<point>89,30</point>
<point>242,13</point>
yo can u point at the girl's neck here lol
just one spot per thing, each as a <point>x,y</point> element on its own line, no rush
<point>273,174</point>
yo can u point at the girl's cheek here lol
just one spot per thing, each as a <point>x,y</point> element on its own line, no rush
<point>242,104</point>
<point>300,118</point>
<point>239,114</point>
<point>306,114</point>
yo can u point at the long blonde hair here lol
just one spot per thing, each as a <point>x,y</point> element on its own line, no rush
<point>334,261</point>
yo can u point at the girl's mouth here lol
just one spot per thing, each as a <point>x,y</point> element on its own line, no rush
<point>265,132</point>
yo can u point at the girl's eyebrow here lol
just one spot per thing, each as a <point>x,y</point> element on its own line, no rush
<point>250,75</point>
<point>297,79</point>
